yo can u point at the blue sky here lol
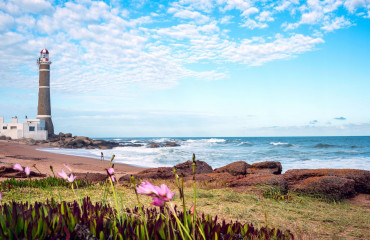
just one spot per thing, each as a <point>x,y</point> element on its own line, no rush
<point>191,67</point>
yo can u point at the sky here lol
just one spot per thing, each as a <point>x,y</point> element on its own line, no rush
<point>190,68</point>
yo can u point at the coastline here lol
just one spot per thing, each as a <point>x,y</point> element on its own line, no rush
<point>28,155</point>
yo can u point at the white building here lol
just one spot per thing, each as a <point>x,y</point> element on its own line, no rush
<point>31,128</point>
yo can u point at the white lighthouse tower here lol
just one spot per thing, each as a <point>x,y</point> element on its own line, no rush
<point>44,107</point>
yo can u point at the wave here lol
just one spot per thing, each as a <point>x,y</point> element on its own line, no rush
<point>324,145</point>
<point>207,140</point>
<point>281,144</point>
<point>245,144</point>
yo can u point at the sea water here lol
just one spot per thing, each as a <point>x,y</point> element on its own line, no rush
<point>292,152</point>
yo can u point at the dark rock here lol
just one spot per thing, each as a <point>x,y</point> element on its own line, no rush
<point>131,145</point>
<point>9,172</point>
<point>156,173</point>
<point>269,167</point>
<point>125,178</point>
<point>264,179</point>
<point>360,177</point>
<point>235,168</point>
<point>154,145</point>
<point>329,186</point>
<point>172,144</point>
<point>68,135</point>
<point>91,177</point>
<point>186,168</point>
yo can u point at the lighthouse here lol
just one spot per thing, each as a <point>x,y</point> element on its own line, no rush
<point>44,107</point>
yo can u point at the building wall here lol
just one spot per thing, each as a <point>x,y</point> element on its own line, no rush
<point>17,130</point>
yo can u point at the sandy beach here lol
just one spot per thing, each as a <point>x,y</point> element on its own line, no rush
<point>28,155</point>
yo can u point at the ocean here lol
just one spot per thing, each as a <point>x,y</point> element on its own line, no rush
<point>292,152</point>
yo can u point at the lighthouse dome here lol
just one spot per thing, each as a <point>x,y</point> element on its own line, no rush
<point>44,51</point>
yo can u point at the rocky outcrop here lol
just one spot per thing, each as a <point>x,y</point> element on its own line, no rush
<point>166,144</point>
<point>65,140</point>
<point>9,172</point>
<point>235,168</point>
<point>156,173</point>
<point>268,167</point>
<point>185,168</point>
<point>361,178</point>
<point>260,179</point>
<point>328,186</point>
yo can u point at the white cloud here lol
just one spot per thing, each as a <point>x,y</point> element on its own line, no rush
<point>251,24</point>
<point>99,47</point>
<point>257,53</point>
<point>250,11</point>
<point>226,19</point>
<point>337,23</point>
<point>194,15</point>
<point>265,16</point>
<point>353,5</point>
<point>6,21</point>
<point>34,6</point>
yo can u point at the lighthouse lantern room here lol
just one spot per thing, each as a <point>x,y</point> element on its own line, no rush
<point>44,57</point>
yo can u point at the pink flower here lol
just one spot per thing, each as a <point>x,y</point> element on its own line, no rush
<point>146,188</point>
<point>18,167</point>
<point>69,169</point>
<point>27,170</point>
<point>160,195</point>
<point>157,202</point>
<point>110,171</point>
<point>164,192</point>
<point>63,175</point>
<point>71,178</point>
<point>1,196</point>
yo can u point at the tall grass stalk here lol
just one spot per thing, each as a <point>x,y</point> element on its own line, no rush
<point>60,197</point>
<point>194,197</point>
<point>115,199</point>
<point>133,182</point>
<point>180,186</point>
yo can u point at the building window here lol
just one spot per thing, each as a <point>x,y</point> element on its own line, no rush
<point>13,127</point>
<point>5,127</point>
<point>32,128</point>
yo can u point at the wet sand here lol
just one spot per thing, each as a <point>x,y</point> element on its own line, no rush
<point>27,155</point>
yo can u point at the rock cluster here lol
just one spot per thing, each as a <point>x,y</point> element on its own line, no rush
<point>333,183</point>
<point>166,144</point>
<point>9,172</point>
<point>66,140</point>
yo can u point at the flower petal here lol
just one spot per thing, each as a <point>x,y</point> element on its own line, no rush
<point>27,170</point>
<point>63,175</point>
<point>157,202</point>
<point>18,167</point>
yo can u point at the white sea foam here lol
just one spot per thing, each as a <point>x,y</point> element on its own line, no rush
<point>281,144</point>
<point>218,152</point>
<point>206,140</point>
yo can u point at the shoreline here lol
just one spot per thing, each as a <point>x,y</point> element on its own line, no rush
<point>28,155</point>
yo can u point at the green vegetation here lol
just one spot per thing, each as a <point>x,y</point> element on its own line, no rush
<point>39,183</point>
<point>305,217</point>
